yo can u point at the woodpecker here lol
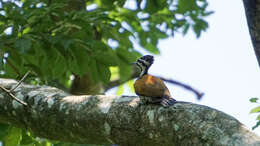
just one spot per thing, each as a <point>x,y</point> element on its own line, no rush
<point>149,88</point>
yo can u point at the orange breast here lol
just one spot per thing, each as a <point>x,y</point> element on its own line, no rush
<point>151,86</point>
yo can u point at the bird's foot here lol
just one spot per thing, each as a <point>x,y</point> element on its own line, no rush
<point>166,102</point>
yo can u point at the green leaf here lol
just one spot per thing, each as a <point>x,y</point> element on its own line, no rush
<point>26,138</point>
<point>60,66</point>
<point>14,136</point>
<point>185,28</point>
<point>36,69</point>
<point>152,48</point>
<point>74,67</point>
<point>254,100</point>
<point>255,110</point>
<point>114,73</point>
<point>199,26</point>
<point>127,56</point>
<point>3,130</point>
<point>256,125</point>
<point>130,84</point>
<point>186,5</point>
<point>23,45</point>
<point>157,34</point>
<point>207,13</point>
<point>120,90</point>
<point>197,30</point>
<point>108,57</point>
<point>82,58</point>
<point>143,36</point>
<point>258,118</point>
<point>66,42</point>
<point>16,59</point>
<point>93,70</point>
<point>125,71</point>
<point>45,143</point>
<point>98,45</point>
<point>104,72</point>
<point>10,72</point>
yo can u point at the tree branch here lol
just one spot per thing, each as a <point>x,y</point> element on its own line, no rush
<point>102,119</point>
<point>252,9</point>
<point>20,82</point>
<point>135,74</point>
<point>185,86</point>
<point>13,97</point>
<point>118,82</point>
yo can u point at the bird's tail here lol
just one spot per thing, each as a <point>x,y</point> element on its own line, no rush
<point>168,101</point>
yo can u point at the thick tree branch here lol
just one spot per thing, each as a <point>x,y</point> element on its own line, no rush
<point>252,9</point>
<point>101,119</point>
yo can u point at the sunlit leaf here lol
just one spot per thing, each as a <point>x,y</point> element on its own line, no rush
<point>114,73</point>
<point>120,90</point>
<point>26,138</point>
<point>255,110</point>
<point>130,84</point>
<point>14,136</point>
<point>258,118</point>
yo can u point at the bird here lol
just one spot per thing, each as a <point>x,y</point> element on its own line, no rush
<point>149,88</point>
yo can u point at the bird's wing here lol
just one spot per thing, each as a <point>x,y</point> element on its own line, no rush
<point>151,86</point>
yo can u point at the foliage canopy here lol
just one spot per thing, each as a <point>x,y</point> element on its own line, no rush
<point>56,39</point>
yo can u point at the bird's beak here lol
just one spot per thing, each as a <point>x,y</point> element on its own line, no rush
<point>133,63</point>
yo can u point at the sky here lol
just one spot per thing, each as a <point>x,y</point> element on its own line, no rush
<point>221,63</point>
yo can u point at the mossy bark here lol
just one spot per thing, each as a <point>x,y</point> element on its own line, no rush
<point>102,119</point>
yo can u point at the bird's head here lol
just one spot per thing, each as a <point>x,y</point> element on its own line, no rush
<point>144,63</point>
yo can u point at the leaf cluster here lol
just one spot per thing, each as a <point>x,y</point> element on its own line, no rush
<point>13,136</point>
<point>55,39</point>
<point>255,110</point>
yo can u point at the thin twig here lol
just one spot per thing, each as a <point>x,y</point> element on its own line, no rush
<point>198,94</point>
<point>9,92</point>
<point>118,82</point>
<point>18,84</point>
<point>17,99</point>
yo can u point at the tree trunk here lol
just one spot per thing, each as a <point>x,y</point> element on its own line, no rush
<point>252,9</point>
<point>103,119</point>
